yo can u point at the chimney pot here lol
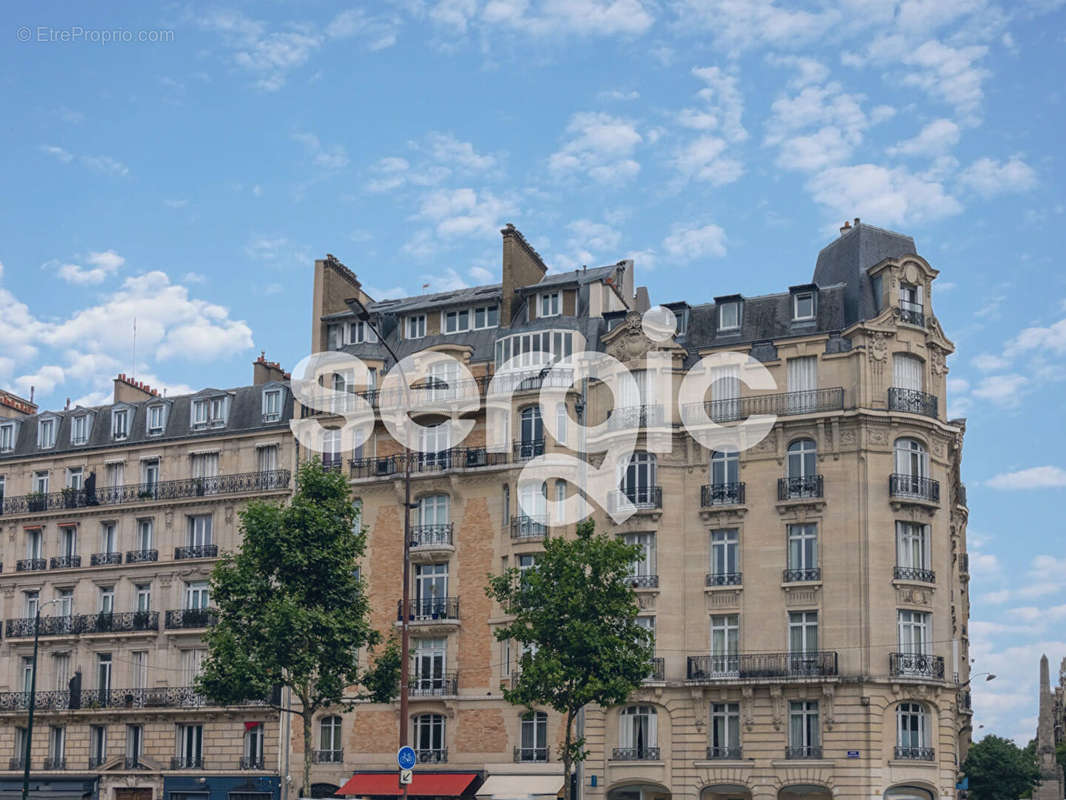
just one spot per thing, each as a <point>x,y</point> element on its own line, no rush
<point>856,221</point>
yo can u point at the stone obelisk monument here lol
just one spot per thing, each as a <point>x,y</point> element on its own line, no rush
<point>1051,779</point>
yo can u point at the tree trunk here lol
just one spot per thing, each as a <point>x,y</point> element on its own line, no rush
<point>567,757</point>
<point>307,713</point>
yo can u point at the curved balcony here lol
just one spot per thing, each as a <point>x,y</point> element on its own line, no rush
<point>196,551</point>
<point>804,486</point>
<point>428,609</point>
<point>527,528</point>
<point>912,401</point>
<point>916,665</point>
<point>722,494</point>
<point>913,487</point>
<point>913,574</point>
<point>633,417</point>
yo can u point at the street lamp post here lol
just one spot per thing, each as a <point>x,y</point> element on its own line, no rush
<point>405,634</point>
<point>33,700</point>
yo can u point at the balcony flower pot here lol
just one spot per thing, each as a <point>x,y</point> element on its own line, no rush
<point>70,498</point>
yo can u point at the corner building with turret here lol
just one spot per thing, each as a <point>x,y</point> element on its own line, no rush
<point>808,595</point>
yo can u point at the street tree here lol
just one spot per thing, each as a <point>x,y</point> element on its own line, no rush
<point>574,615</point>
<point>1000,770</point>
<point>292,611</point>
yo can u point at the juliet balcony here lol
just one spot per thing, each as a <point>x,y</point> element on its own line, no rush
<point>645,498</point>
<point>722,494</point>
<point>914,753</point>
<point>528,528</point>
<point>912,401</point>
<point>799,488</point>
<point>913,487</point>
<point>445,685</point>
<point>92,496</point>
<point>916,665</point>
<point>430,537</point>
<point>430,609</point>
<point>634,417</point>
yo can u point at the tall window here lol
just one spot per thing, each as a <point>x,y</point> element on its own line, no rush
<point>34,543</point>
<point>134,743</point>
<point>443,379</point>
<point>103,673</point>
<point>728,316</point>
<point>107,599</point>
<point>272,405</point>
<point>57,746</point>
<point>97,745</point>
<point>725,730</point>
<point>433,510</point>
<point>199,530</point>
<point>46,433</point>
<point>430,660</point>
<point>75,476</point>
<point>725,393</point>
<point>191,663</point>
<point>912,546</point>
<point>531,432</point>
<point>61,667</point>
<point>644,567</point>
<point>79,429</point>
<point>416,326</point>
<point>144,596</point>
<point>253,746</point>
<point>429,737</point>
<point>638,732</point>
<point>725,566</point>
<point>116,474</point>
<point>803,552</point>
<point>435,444</point>
<point>804,729</point>
<point>725,644</point>
<point>120,423</point>
<point>149,478</point>
<point>534,737</point>
<point>65,604</point>
<point>267,458</point>
<point>562,416</point>
<point>191,746</point>
<point>40,482</point>
<point>638,479</point>
<point>27,673</point>
<point>550,304</point>
<point>144,534</point>
<point>802,459</point>
<point>802,384</point>
<point>157,418</point>
<point>68,541</point>
<point>915,632</point>
<point>7,437</point>
<point>331,448</point>
<point>912,730</point>
<point>803,306</point>
<point>205,466</point>
<point>533,506</point>
<point>802,632</point>
<point>107,537</point>
<point>431,589</point>
<point>912,459</point>
<point>908,372</point>
<point>197,595</point>
<point>910,298</point>
<point>32,603</point>
<point>139,668</point>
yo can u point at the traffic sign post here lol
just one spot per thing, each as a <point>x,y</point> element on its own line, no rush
<point>406,776</point>
<point>405,758</point>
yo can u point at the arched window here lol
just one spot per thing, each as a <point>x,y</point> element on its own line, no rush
<point>802,458</point>
<point>638,733</point>
<point>912,459</point>
<point>534,737</point>
<point>329,740</point>
<point>531,432</point>
<point>912,732</point>
<point>429,739</point>
<point>908,793</point>
<point>638,479</point>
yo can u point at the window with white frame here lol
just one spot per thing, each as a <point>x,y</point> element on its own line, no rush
<point>46,433</point>
<point>725,644</point>
<point>562,416</point>
<point>560,502</point>
<point>7,437</point>
<point>75,477</point>
<point>150,477</point>
<point>725,556</point>
<point>267,458</point>
<point>725,468</point>
<point>536,349</point>
<point>115,474</point>
<point>61,669</point>
<point>910,297</point>
<point>534,737</point>
<point>192,662</point>
<point>103,673</point>
<point>134,743</point>
<point>34,543</point>
<point>361,332</point>
<point>803,306</point>
<point>912,459</point>
<point>209,412</point>
<point>429,737</point>
<point>803,546</point>
<point>431,589</point>
<point>435,445</point>
<point>107,599</point>
<point>40,482</point>
<point>68,541</point>
<point>725,730</point>
<point>729,316</point>
<point>644,567</point>
<point>79,429</point>
<point>433,509</point>
<point>804,728</point>
<point>32,601</point>
<point>143,596</point>
<point>638,479</point>
<point>550,304</point>
<point>108,539</point>
<point>253,745</point>
<point>120,423</point>
<point>908,372</point>
<point>430,658</point>
<point>457,321</point>
<point>335,335</point>
<point>197,595</point>
<point>57,746</point>
<point>157,419</point>
<point>204,465</point>
<point>915,632</point>
<point>638,732</point>
<point>190,745</point>
<point>144,534</point>
<point>97,745</point>
<point>139,668</point>
<point>802,459</point>
<point>329,738</point>
<point>802,632</point>
<point>802,384</point>
<point>416,326</point>
<point>725,393</point>
<point>486,317</point>
<point>199,530</point>
<point>912,545</point>
<point>912,729</point>
<point>525,562</point>
<point>271,405</point>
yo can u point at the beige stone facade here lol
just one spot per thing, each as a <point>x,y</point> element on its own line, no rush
<point>112,519</point>
<point>809,599</point>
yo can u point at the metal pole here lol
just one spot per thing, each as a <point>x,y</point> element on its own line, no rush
<point>33,706</point>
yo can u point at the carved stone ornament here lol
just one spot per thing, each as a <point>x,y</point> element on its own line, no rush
<point>937,360</point>
<point>748,694</point>
<point>827,704</point>
<point>777,704</point>
<point>629,342</point>
<point>878,346</point>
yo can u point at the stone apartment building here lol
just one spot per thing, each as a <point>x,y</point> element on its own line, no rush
<point>808,595</point>
<point>111,519</point>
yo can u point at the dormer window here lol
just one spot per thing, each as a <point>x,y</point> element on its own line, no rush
<point>120,424</point>
<point>360,332</point>
<point>157,420</point>
<point>550,304</point>
<point>272,405</point>
<point>729,316</point>
<point>7,437</point>
<point>46,433</point>
<point>209,412</point>
<point>803,306</point>
<point>335,336</point>
<point>457,321</point>
<point>486,317</point>
<point>79,429</point>
<point>416,326</point>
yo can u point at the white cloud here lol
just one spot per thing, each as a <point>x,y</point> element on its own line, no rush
<point>57,152</point>
<point>723,100</point>
<point>445,148</point>
<point>619,95</point>
<point>893,196</point>
<point>1003,390</point>
<point>104,265</point>
<point>482,275</point>
<point>741,24</point>
<point>686,243</point>
<point>996,598</point>
<point>702,160</point>
<point>949,73</point>
<point>105,164</point>
<point>986,362</point>
<point>1051,338</point>
<point>600,146</point>
<point>570,17</point>
<point>377,32</point>
<point>817,128</point>
<point>278,251</point>
<point>936,138</point>
<point>465,211</point>
<point>989,177</point>
<point>958,385</point>
<point>802,70</point>
<point>194,277</point>
<point>330,158</point>
<point>1046,477</point>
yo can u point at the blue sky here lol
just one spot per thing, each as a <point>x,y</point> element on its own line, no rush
<point>190,183</point>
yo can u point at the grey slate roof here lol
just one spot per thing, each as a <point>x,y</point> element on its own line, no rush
<point>846,259</point>
<point>473,295</point>
<point>245,415</point>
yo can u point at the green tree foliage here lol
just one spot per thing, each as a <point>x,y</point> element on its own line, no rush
<point>1000,770</point>
<point>292,611</point>
<point>575,616</point>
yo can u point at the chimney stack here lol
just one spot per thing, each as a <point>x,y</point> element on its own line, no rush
<point>522,266</point>
<point>128,390</point>
<point>845,227</point>
<point>264,371</point>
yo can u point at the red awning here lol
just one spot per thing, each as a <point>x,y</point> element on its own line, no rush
<point>424,784</point>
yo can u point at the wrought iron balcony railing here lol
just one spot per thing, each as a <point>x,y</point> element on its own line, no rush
<point>911,313</point>
<point>724,578</point>
<point>914,753</point>
<point>643,497</point>
<point>799,487</point>
<point>434,755</point>
<point>722,494</point>
<point>196,551</point>
<point>535,754</point>
<point>916,665</point>
<point>74,624</point>
<point>524,526</point>
<point>632,417</point>
<point>433,685</point>
<point>814,401</point>
<point>913,487</point>
<point>527,449</point>
<point>55,763</point>
<point>734,753</point>
<point>426,609</point>
<point>439,535</point>
<point>30,564</point>
<point>801,574</point>
<point>177,619</point>
<point>91,699</point>
<point>657,672</point>
<point>442,461</point>
<point>763,665</point>
<point>914,574</point>
<point>141,556</point>
<point>147,492</point>
<point>187,762</point>
<point>803,751</point>
<point>65,562</point>
<point>912,401</point>
<point>635,754</point>
<point>643,581</point>
<point>105,559</point>
<point>251,762</point>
